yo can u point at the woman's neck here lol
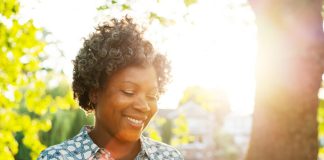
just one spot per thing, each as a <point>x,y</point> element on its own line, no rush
<point>117,148</point>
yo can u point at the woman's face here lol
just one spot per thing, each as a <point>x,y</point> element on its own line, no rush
<point>128,102</point>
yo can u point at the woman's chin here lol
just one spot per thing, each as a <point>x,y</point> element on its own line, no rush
<point>129,137</point>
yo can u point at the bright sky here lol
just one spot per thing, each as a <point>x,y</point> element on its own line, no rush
<point>213,46</point>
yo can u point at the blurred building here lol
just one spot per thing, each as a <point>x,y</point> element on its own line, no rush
<point>203,125</point>
<point>239,126</point>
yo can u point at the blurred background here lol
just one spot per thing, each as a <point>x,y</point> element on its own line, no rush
<point>206,112</point>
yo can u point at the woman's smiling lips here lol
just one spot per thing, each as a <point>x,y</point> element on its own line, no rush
<point>136,122</point>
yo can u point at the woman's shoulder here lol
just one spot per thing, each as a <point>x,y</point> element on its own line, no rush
<point>160,150</point>
<point>69,149</point>
<point>53,152</point>
<point>78,147</point>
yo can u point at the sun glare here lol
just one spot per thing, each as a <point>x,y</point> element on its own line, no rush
<point>211,43</point>
<point>213,52</point>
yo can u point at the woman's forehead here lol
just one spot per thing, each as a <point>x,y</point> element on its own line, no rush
<point>136,75</point>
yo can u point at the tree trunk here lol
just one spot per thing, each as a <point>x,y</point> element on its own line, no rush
<point>288,77</point>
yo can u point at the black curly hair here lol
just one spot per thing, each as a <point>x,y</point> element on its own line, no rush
<point>112,46</point>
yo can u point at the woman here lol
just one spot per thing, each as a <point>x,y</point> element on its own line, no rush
<point>118,76</point>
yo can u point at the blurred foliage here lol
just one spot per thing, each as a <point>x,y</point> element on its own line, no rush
<point>181,131</point>
<point>171,131</point>
<point>125,6</point>
<point>66,124</point>
<point>9,8</point>
<point>166,131</point>
<point>211,100</point>
<point>205,98</point>
<point>25,106</point>
<point>189,2</point>
<point>225,146</point>
<point>164,21</point>
<point>320,119</point>
<point>217,104</point>
<point>175,131</point>
<point>152,130</point>
<point>114,4</point>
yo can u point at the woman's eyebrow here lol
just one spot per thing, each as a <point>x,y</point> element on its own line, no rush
<point>154,88</point>
<point>129,82</point>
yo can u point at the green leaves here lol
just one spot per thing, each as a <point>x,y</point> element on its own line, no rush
<point>181,131</point>
<point>189,2</point>
<point>164,21</point>
<point>114,4</point>
<point>320,118</point>
<point>25,106</point>
<point>125,7</point>
<point>9,7</point>
<point>102,7</point>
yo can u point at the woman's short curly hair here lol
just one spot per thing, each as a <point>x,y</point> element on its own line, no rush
<point>112,46</point>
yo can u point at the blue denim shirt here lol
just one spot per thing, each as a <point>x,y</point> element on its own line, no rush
<point>82,147</point>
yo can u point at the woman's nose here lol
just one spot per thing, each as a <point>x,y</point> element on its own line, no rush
<point>142,104</point>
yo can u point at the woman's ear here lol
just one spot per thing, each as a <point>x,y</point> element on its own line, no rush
<point>93,96</point>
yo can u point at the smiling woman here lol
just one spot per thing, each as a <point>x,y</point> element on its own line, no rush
<point>119,76</point>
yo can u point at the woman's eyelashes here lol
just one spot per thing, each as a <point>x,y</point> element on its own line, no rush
<point>150,96</point>
<point>128,92</point>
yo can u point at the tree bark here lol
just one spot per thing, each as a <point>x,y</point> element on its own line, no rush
<point>288,78</point>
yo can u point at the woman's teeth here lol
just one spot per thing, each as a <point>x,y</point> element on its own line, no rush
<point>135,120</point>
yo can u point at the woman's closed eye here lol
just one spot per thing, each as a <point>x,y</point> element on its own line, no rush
<point>128,92</point>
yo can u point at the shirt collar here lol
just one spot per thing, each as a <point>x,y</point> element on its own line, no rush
<point>84,134</point>
<point>148,147</point>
